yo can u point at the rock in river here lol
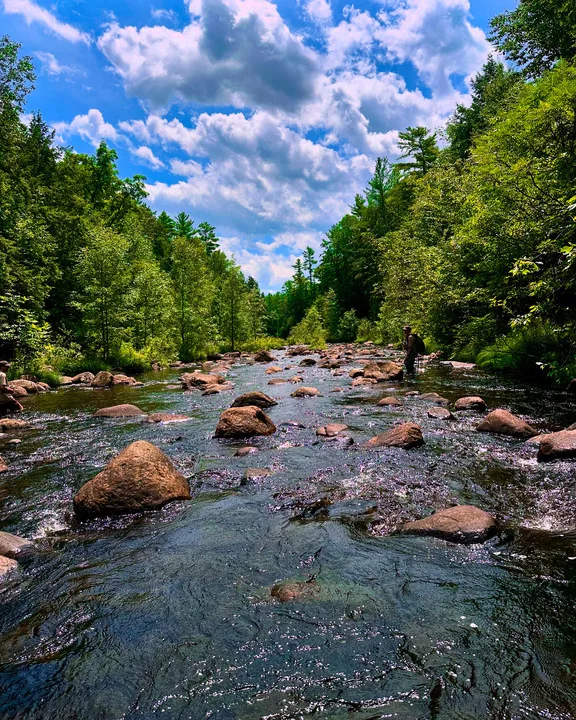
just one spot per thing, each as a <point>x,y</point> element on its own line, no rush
<point>84,378</point>
<point>264,357</point>
<point>7,566</point>
<point>241,422</point>
<point>332,430</point>
<point>140,478</point>
<point>440,413</point>
<point>103,380</point>
<point>117,411</point>
<point>305,392</point>
<point>470,403</point>
<point>256,399</point>
<point>166,418</point>
<point>557,446</point>
<point>503,422</point>
<point>390,402</point>
<point>11,545</point>
<point>407,435</point>
<point>288,590</point>
<point>460,524</point>
<point>9,424</point>
<point>245,451</point>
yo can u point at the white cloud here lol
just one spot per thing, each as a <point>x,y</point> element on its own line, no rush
<point>90,127</point>
<point>234,52</point>
<point>33,13</point>
<point>146,155</point>
<point>319,10</point>
<point>163,15</point>
<point>51,66</point>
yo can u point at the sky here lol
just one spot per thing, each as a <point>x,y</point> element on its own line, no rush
<point>263,118</point>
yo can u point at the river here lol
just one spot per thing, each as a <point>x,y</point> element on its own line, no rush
<point>168,614</point>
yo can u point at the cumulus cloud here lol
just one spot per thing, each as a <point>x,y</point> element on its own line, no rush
<point>319,11</point>
<point>51,66</point>
<point>163,15</point>
<point>146,155</point>
<point>90,127</point>
<point>33,13</point>
<point>234,52</point>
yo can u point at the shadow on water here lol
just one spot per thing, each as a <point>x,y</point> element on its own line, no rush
<point>169,614</point>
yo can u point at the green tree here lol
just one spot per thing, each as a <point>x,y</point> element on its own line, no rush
<point>420,145</point>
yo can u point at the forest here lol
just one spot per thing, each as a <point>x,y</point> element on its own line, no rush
<point>469,236</point>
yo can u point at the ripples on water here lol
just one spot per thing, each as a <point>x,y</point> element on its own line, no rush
<point>169,614</point>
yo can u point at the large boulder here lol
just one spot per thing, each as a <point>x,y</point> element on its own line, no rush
<point>140,478</point>
<point>28,385</point>
<point>440,413</point>
<point>256,399</point>
<point>200,380</point>
<point>356,373</point>
<point>121,379</point>
<point>10,424</point>
<point>390,370</point>
<point>16,391</point>
<point>273,369</point>
<point>12,546</point>
<point>7,566</point>
<point>103,379</point>
<point>461,524</point>
<point>307,362</point>
<point>242,422</point>
<point>503,422</point>
<point>264,357</point>
<point>558,446</point>
<point>470,403</point>
<point>407,435</point>
<point>305,392</point>
<point>390,402</point>
<point>120,411</point>
<point>83,378</point>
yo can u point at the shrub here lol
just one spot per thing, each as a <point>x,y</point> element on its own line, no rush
<point>348,326</point>
<point>309,331</point>
<point>130,360</point>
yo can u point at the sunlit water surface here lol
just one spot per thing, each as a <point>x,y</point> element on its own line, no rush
<point>168,614</point>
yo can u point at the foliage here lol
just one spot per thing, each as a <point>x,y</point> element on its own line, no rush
<point>309,331</point>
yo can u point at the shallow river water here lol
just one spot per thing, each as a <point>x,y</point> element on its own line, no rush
<point>168,614</point>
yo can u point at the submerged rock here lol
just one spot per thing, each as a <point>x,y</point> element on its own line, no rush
<point>256,399</point>
<point>278,381</point>
<point>289,590</point>
<point>255,474</point>
<point>407,436</point>
<point>434,397</point>
<point>140,478</point>
<point>470,403</point>
<point>264,357</point>
<point>119,411</point>
<point>556,446</point>
<point>7,566</point>
<point>306,392</point>
<point>461,524</point>
<point>332,430</point>
<point>245,451</point>
<point>241,422</point>
<point>166,418</point>
<point>503,422</point>
<point>12,545</point>
<point>390,402</point>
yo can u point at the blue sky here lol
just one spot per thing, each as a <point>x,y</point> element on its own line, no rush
<point>261,117</point>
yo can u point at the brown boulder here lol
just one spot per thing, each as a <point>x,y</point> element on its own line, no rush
<point>461,524</point>
<point>166,418</point>
<point>264,357</point>
<point>245,451</point>
<point>390,402</point>
<point>7,566</point>
<point>557,446</point>
<point>391,370</point>
<point>17,391</point>
<point>470,403</point>
<point>503,422</point>
<point>255,474</point>
<point>28,385</point>
<point>273,369</point>
<point>295,590</point>
<point>241,422</point>
<point>363,381</point>
<point>408,435</point>
<point>119,411</point>
<point>278,381</point>
<point>332,430</point>
<point>356,373</point>
<point>121,379</point>
<point>256,399</point>
<point>440,413</point>
<point>3,467</point>
<point>200,380</point>
<point>307,362</point>
<point>296,379</point>
<point>434,397</point>
<point>305,392</point>
<point>213,389</point>
<point>140,478</point>
<point>84,378</point>
<point>65,380</point>
<point>11,545</point>
<point>103,380</point>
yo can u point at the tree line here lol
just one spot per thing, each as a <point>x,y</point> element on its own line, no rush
<point>470,236</point>
<point>89,274</point>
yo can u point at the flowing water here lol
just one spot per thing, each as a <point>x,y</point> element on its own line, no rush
<point>168,614</point>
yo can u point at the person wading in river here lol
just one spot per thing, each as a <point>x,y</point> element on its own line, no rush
<point>413,346</point>
<point>4,367</point>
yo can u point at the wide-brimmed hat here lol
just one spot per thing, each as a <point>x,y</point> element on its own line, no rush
<point>5,363</point>
<point>407,327</point>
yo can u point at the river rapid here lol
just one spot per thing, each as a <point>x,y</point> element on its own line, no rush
<point>169,614</point>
